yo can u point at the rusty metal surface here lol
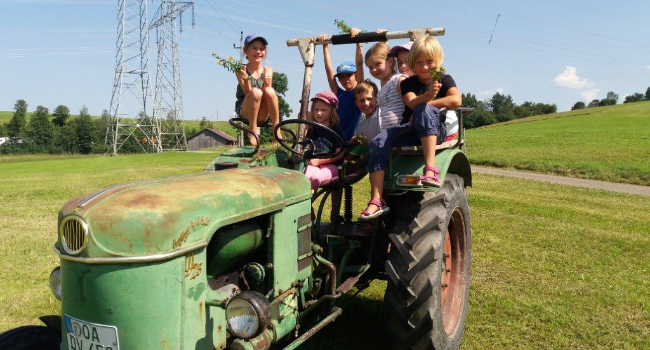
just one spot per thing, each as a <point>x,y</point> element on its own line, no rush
<point>159,216</point>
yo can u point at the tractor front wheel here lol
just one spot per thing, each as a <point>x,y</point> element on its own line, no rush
<point>428,268</point>
<point>31,338</point>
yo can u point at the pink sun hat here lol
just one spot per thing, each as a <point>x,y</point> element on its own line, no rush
<point>327,97</point>
<point>395,50</point>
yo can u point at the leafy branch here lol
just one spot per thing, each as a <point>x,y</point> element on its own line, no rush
<point>437,73</point>
<point>345,29</point>
<point>230,63</point>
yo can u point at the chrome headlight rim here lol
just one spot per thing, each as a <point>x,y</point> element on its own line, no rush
<point>260,305</point>
<point>55,282</point>
<point>84,227</point>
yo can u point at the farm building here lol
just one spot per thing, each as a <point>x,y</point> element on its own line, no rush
<point>209,138</point>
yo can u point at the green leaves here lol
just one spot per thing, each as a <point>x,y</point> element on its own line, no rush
<point>437,73</point>
<point>230,63</point>
<point>345,29</point>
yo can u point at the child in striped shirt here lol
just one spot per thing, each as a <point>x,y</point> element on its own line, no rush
<point>389,99</point>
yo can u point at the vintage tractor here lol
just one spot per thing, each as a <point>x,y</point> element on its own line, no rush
<point>236,258</point>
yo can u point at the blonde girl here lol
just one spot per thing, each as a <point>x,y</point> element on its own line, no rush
<point>389,99</point>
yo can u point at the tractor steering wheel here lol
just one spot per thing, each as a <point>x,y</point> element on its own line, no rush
<point>311,150</point>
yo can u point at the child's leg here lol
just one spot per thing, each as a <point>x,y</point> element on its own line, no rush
<point>250,109</point>
<point>378,155</point>
<point>273,108</point>
<point>320,175</point>
<point>431,131</point>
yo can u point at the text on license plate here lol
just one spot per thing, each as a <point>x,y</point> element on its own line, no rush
<point>84,335</point>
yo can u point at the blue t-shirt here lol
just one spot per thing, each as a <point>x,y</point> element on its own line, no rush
<point>325,140</point>
<point>348,112</point>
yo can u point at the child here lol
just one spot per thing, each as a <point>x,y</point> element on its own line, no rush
<point>365,97</point>
<point>389,99</point>
<point>423,97</point>
<point>401,54</point>
<point>348,76</point>
<point>323,111</point>
<point>256,99</point>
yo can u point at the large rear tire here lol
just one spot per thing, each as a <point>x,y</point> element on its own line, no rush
<point>428,268</point>
<point>31,338</point>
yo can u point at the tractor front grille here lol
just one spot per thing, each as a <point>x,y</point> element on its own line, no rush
<point>74,234</point>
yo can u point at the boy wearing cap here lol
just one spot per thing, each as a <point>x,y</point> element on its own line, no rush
<point>348,75</point>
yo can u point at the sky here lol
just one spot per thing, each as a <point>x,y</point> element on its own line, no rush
<point>555,51</point>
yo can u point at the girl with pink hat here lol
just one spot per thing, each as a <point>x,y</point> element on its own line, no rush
<point>323,111</point>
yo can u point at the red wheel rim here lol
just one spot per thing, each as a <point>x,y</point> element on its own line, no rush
<point>454,275</point>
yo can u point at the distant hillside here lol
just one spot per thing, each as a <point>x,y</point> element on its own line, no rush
<point>607,143</point>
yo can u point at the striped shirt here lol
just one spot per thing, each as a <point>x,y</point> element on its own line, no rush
<point>391,103</point>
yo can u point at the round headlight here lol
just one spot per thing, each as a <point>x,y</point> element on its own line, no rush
<point>55,282</point>
<point>247,314</point>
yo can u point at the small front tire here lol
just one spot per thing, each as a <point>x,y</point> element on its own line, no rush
<point>31,338</point>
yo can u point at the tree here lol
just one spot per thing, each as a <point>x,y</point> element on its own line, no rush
<point>612,96</point>
<point>647,94</point>
<point>607,102</point>
<point>479,117</point>
<point>16,126</point>
<point>636,97</point>
<point>205,124</point>
<point>594,103</point>
<point>281,86</point>
<point>578,105</point>
<point>502,106</point>
<point>61,115</point>
<point>40,130</point>
<point>86,132</point>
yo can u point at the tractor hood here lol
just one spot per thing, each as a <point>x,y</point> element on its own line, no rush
<point>167,215</point>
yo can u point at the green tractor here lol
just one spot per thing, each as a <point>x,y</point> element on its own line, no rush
<point>236,258</point>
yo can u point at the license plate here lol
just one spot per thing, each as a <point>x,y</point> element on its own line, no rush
<point>84,335</point>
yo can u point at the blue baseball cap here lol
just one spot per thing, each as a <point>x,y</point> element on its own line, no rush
<point>252,37</point>
<point>346,67</point>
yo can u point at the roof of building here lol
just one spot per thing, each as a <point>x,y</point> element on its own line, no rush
<point>216,132</point>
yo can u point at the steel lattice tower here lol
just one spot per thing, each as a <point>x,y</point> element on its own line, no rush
<point>129,118</point>
<point>168,100</point>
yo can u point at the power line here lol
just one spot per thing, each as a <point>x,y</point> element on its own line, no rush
<point>213,28</point>
<point>217,11</point>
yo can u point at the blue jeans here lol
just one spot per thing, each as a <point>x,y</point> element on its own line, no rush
<point>426,122</point>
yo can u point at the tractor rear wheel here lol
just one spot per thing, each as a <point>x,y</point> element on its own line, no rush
<point>428,268</point>
<point>30,338</point>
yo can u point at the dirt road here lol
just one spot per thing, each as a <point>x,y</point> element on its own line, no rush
<point>568,181</point>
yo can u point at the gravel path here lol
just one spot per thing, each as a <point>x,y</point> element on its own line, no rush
<point>568,181</point>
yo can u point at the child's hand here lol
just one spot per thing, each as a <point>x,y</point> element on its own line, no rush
<point>434,88</point>
<point>267,80</point>
<point>241,74</point>
<point>313,162</point>
<point>354,32</point>
<point>322,37</point>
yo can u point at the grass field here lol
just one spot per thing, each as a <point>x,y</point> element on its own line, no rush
<point>604,143</point>
<point>553,267</point>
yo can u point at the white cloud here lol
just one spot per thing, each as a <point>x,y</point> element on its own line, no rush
<point>489,93</point>
<point>647,67</point>
<point>589,95</point>
<point>569,78</point>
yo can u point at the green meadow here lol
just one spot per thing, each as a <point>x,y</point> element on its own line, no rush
<point>603,143</point>
<point>553,267</point>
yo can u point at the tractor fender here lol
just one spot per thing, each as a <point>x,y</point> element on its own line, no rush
<point>52,321</point>
<point>457,163</point>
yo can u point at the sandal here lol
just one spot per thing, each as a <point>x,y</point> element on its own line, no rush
<point>383,209</point>
<point>430,180</point>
